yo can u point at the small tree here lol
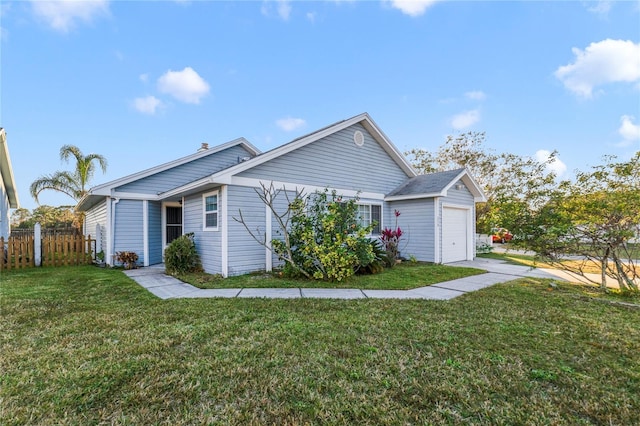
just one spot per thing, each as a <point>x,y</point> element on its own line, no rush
<point>595,218</point>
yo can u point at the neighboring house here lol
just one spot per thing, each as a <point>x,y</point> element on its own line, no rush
<point>203,192</point>
<point>8,191</point>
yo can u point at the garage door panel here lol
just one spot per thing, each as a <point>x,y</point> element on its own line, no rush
<point>454,234</point>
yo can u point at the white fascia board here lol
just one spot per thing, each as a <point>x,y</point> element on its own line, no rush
<point>7,172</point>
<point>134,196</point>
<point>106,187</point>
<point>415,196</point>
<point>292,186</point>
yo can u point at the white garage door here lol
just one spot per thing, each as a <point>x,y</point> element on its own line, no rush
<point>454,234</point>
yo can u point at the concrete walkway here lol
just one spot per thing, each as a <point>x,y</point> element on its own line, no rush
<point>164,286</point>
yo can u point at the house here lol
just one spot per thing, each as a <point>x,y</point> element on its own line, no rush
<point>8,191</point>
<point>203,193</point>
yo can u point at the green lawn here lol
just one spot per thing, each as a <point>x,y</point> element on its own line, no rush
<point>83,345</point>
<point>403,277</point>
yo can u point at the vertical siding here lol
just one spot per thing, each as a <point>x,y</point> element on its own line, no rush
<point>417,223</point>
<point>155,232</point>
<point>97,215</point>
<point>245,253</point>
<point>208,243</point>
<point>128,228</point>
<point>4,211</point>
<point>335,161</point>
<point>185,173</point>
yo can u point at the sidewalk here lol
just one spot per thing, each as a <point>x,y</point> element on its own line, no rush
<point>164,286</point>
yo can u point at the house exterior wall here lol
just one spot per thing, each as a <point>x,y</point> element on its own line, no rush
<point>5,228</point>
<point>245,254</point>
<point>335,161</point>
<point>417,221</point>
<point>185,173</point>
<point>208,243</point>
<point>128,233</point>
<point>154,212</point>
<point>97,216</point>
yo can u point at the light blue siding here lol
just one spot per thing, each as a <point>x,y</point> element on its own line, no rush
<point>208,243</point>
<point>185,173</point>
<point>4,211</point>
<point>417,223</point>
<point>245,253</point>
<point>459,196</point>
<point>335,161</point>
<point>154,211</point>
<point>97,216</point>
<point>128,228</point>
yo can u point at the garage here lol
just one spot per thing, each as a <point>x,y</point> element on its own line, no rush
<point>455,234</point>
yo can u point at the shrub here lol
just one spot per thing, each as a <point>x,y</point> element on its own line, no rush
<point>391,240</point>
<point>127,258</point>
<point>181,256</point>
<point>326,241</point>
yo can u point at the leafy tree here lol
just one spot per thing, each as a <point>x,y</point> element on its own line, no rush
<point>73,183</point>
<point>510,182</point>
<point>596,218</point>
<point>47,216</point>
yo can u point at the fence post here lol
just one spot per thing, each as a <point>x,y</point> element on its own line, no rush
<point>37,244</point>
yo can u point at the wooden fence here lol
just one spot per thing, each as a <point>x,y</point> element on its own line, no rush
<point>53,250</point>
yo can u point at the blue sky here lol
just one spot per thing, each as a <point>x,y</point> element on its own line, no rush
<point>144,82</point>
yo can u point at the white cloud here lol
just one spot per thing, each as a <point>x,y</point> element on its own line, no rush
<point>476,95</point>
<point>289,124</point>
<point>629,131</point>
<point>601,8</point>
<point>412,7</point>
<point>465,119</point>
<point>311,16</point>
<point>147,105</point>
<point>63,15</point>
<point>186,85</point>
<point>556,166</point>
<point>607,61</point>
<point>144,78</point>
<point>283,9</point>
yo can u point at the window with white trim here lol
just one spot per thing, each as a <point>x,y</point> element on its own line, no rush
<point>210,211</point>
<point>368,213</point>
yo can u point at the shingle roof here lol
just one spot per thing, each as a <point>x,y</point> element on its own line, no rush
<point>426,184</point>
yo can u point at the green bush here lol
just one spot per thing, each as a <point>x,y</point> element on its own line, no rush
<point>181,256</point>
<point>326,240</point>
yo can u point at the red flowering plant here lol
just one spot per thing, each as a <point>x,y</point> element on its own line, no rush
<point>391,239</point>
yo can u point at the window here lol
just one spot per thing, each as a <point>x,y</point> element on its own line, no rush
<point>368,213</point>
<point>210,211</point>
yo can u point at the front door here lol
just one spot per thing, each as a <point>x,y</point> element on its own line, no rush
<point>173,223</point>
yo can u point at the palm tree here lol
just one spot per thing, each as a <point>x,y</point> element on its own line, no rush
<point>75,183</point>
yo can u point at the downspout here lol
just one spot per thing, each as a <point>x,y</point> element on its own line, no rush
<point>112,239</point>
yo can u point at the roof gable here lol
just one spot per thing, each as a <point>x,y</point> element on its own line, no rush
<point>105,188</point>
<point>435,185</point>
<point>302,141</point>
<point>225,176</point>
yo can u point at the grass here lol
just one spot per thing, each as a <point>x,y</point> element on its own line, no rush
<point>82,345</point>
<point>404,276</point>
